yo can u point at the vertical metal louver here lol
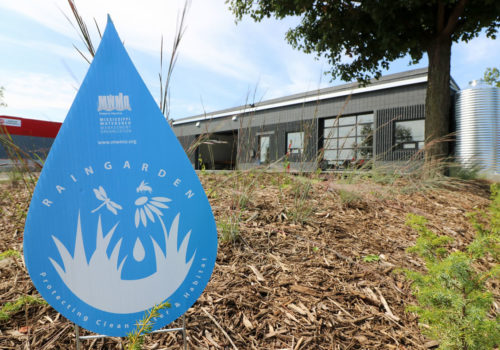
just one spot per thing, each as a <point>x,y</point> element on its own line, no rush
<point>478,126</point>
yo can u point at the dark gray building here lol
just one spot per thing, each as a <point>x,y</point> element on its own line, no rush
<point>335,127</point>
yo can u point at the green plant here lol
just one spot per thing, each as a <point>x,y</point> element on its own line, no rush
<point>229,228</point>
<point>453,301</point>
<point>464,172</point>
<point>11,308</point>
<point>492,76</point>
<point>15,177</point>
<point>212,193</point>
<point>9,253</point>
<point>348,197</point>
<point>384,176</point>
<point>302,208</point>
<point>21,212</point>
<point>371,258</point>
<point>241,200</point>
<point>244,185</point>
<point>144,326</point>
<point>488,235</point>
<point>201,165</point>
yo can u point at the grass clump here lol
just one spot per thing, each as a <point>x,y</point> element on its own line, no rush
<point>229,228</point>
<point>463,172</point>
<point>454,304</point>
<point>11,308</point>
<point>302,209</point>
<point>244,185</point>
<point>348,198</point>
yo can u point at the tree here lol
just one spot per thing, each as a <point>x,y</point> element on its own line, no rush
<point>374,33</point>
<point>2,104</point>
<point>366,145</point>
<point>492,76</point>
<point>402,134</point>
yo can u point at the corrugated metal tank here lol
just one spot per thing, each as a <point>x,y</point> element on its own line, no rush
<point>478,126</point>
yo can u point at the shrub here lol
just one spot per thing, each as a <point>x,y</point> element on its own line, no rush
<point>454,303</point>
<point>11,308</point>
<point>9,253</point>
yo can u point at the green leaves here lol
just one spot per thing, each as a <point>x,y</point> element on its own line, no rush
<point>145,326</point>
<point>11,308</point>
<point>429,245</point>
<point>360,38</point>
<point>453,301</point>
<point>8,253</point>
<point>371,258</point>
<point>492,76</point>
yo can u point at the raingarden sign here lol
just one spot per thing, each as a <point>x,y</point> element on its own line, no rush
<point>119,221</point>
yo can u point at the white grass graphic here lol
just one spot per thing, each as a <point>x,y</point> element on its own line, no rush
<point>99,283</point>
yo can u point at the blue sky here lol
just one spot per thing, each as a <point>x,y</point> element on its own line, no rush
<point>221,64</point>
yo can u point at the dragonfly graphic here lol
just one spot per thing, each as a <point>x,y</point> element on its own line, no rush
<point>110,205</point>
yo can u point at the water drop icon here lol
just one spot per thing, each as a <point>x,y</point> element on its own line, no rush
<point>81,242</point>
<point>138,251</point>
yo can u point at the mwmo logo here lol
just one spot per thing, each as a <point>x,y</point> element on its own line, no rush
<point>110,103</point>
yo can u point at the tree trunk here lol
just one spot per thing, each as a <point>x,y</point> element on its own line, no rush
<point>437,101</point>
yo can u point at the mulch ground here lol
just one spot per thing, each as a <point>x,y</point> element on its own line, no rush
<point>314,265</point>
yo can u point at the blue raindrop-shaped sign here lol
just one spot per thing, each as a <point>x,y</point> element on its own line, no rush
<point>119,221</point>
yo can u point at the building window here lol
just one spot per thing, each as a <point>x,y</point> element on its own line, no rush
<point>409,134</point>
<point>348,139</point>
<point>295,142</point>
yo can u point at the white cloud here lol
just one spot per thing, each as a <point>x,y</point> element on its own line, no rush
<point>470,60</point>
<point>29,94</point>
<point>212,40</point>
<point>232,59</point>
<point>478,49</point>
<point>207,41</point>
<point>60,51</point>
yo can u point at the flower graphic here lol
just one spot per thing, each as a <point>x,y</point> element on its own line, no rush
<point>148,207</point>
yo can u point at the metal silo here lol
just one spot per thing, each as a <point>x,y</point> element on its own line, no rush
<point>478,126</point>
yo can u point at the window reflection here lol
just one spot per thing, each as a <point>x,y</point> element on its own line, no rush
<point>348,139</point>
<point>295,142</point>
<point>264,149</point>
<point>409,134</point>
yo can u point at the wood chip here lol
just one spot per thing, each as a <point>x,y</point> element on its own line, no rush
<point>257,273</point>
<point>304,290</point>
<point>286,284</point>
